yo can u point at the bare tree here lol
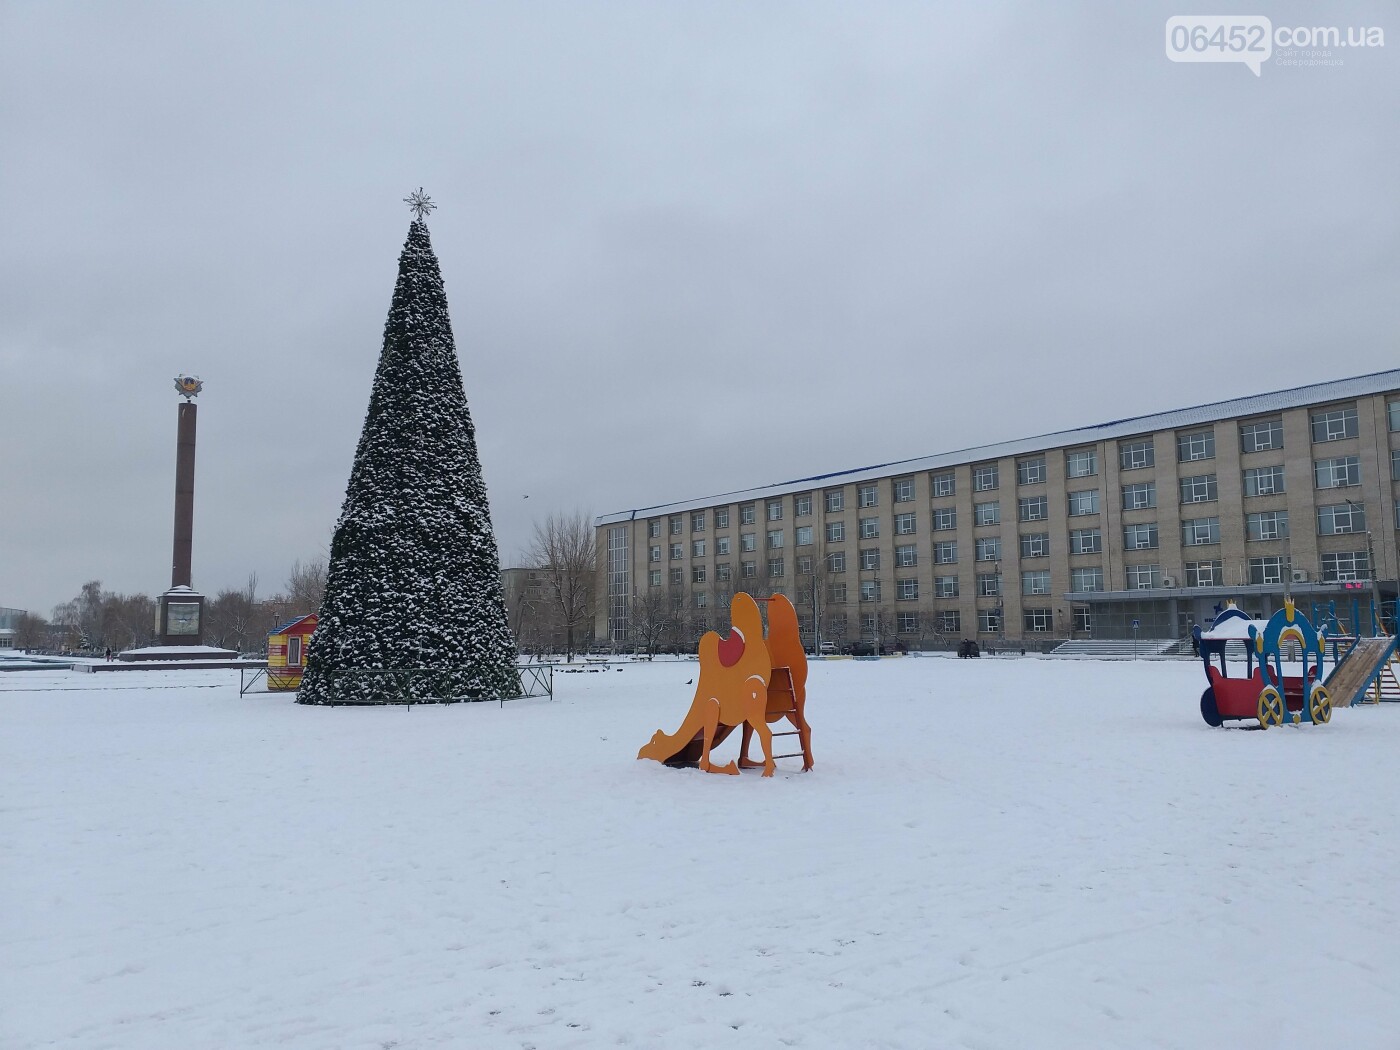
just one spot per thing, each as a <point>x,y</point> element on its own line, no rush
<point>564,550</point>
<point>31,631</point>
<point>233,617</point>
<point>649,614</point>
<point>306,586</point>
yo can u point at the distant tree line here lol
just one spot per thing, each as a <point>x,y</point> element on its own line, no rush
<point>97,619</point>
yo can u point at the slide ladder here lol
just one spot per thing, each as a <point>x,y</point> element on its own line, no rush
<point>1367,669</point>
<point>782,703</point>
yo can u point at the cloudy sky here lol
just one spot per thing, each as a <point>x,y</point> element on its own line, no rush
<point>688,248</point>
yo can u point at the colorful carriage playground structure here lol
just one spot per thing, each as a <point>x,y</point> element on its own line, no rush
<point>1363,668</point>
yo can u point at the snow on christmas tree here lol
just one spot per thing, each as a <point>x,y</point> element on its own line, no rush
<point>414,575</point>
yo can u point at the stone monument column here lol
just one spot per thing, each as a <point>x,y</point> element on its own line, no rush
<point>181,607</point>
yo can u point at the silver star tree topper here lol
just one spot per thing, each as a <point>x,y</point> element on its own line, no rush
<point>419,203</point>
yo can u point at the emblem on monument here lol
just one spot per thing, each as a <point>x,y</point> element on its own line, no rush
<point>189,386</point>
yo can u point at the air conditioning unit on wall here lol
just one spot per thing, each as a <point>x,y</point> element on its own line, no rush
<point>1168,581</point>
<point>1300,575</point>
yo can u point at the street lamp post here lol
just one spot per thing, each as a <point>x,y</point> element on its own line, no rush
<point>1371,563</point>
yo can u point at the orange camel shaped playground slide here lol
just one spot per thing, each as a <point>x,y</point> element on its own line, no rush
<point>744,681</point>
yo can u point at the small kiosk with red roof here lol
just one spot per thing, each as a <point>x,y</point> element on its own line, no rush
<point>286,653</point>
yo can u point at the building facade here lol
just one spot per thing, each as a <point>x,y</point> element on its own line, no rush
<point>1150,521</point>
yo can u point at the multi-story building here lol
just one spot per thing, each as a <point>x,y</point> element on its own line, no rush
<point>1152,520</point>
<point>9,623</point>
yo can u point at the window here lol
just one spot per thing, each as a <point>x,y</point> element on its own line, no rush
<point>838,623</point>
<point>748,514</point>
<point>722,518</point>
<point>802,505</point>
<point>1257,437</point>
<point>1195,444</point>
<point>837,593</point>
<point>1035,582</point>
<point>775,510</point>
<point>722,572</point>
<point>1395,464</point>
<point>1035,545</point>
<point>677,551</point>
<point>1140,537</point>
<point>870,558</point>
<point>1140,497</point>
<point>775,568</point>
<point>984,478</point>
<point>870,590</point>
<point>721,545</point>
<point>906,590</point>
<point>1267,525</point>
<point>654,578</point>
<point>1392,415</point>
<point>1134,455</point>
<point>748,542</point>
<point>1341,518</point>
<point>676,525</point>
<point>697,521</point>
<point>903,490</point>
<point>869,495</point>
<point>835,500</point>
<point>804,565</point>
<point>989,621</point>
<point>987,513</point>
<point>1346,565</point>
<point>1334,424</point>
<point>1200,489</point>
<point>988,549</point>
<point>869,528</point>
<point>294,651</point>
<point>654,528</point>
<point>867,624</point>
<point>748,569</point>
<point>1086,579</point>
<point>1033,508</point>
<point>907,623</point>
<point>1205,573</point>
<point>1038,621</point>
<point>676,577</point>
<point>946,484</point>
<point>1085,541</point>
<point>1030,471</point>
<point>1086,502</point>
<point>945,553</point>
<point>654,552</point>
<point>1196,532</point>
<point>1081,463</point>
<point>945,586</point>
<point>697,548</point>
<point>1141,577</point>
<point>904,524</point>
<point>948,621</point>
<point>775,539</point>
<point>906,556</point>
<point>804,535</point>
<point>697,574</point>
<point>1083,619</point>
<point>701,600</point>
<point>1263,481</point>
<point>989,585</point>
<point>835,532</point>
<point>1266,570</point>
<point>1340,473</point>
<point>837,561</point>
<point>944,519</point>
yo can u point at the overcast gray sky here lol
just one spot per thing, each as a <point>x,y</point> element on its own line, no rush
<point>836,234</point>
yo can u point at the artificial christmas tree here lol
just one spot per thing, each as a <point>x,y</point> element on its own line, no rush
<point>414,575</point>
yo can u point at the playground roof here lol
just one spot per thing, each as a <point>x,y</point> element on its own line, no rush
<point>286,627</point>
<point>1253,405</point>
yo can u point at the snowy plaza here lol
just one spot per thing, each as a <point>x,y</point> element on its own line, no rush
<point>1002,853</point>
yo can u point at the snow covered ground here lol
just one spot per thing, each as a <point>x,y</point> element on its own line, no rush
<point>989,854</point>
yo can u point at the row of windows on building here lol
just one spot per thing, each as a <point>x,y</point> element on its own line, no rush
<point>1334,566</point>
<point>1332,473</point>
<point>1335,519</point>
<point>941,621</point>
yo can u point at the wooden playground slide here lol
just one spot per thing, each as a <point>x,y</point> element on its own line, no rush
<point>741,684</point>
<point>1348,681</point>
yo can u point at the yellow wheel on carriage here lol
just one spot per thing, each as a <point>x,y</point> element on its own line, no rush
<point>1270,707</point>
<point>1320,705</point>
